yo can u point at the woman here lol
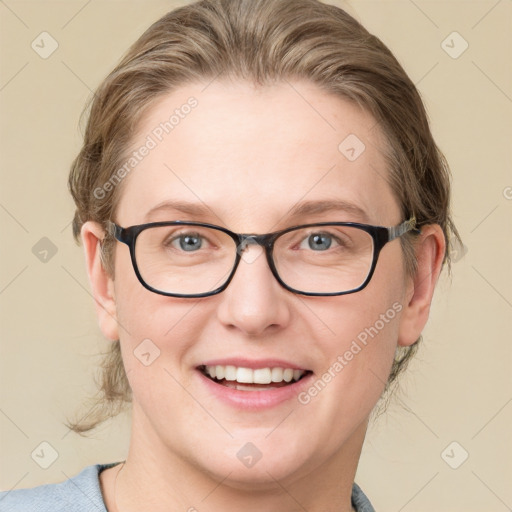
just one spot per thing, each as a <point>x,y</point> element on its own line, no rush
<point>264,214</point>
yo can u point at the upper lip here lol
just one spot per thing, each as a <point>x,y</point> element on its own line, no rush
<point>253,363</point>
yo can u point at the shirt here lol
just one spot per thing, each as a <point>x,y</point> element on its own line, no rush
<point>82,493</point>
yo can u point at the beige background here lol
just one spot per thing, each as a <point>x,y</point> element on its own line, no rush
<point>459,387</point>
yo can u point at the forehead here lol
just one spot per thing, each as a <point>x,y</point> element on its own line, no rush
<point>249,155</point>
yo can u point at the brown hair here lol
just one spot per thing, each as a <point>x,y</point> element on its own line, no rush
<point>263,41</point>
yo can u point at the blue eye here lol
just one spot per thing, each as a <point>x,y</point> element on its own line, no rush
<point>319,241</point>
<point>190,242</point>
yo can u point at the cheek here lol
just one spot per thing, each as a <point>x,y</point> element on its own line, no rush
<point>382,302</point>
<point>157,333</point>
<point>147,322</point>
<point>359,352</point>
<point>357,362</point>
<point>141,313</point>
<point>363,342</point>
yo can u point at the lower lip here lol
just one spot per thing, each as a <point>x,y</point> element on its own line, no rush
<point>255,400</point>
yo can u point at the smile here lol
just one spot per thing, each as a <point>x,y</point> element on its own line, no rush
<point>252,379</point>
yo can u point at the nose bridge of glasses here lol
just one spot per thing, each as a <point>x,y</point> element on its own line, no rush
<point>246,240</point>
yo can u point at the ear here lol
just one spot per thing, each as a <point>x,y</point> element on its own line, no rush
<point>102,284</point>
<point>430,248</point>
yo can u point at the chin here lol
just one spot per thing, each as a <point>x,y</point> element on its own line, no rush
<point>262,476</point>
<point>259,465</point>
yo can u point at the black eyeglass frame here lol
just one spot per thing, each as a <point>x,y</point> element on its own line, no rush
<point>381,236</point>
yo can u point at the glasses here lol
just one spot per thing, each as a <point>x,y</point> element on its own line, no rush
<point>193,259</point>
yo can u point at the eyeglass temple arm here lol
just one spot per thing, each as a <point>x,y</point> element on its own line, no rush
<point>112,229</point>
<point>398,231</point>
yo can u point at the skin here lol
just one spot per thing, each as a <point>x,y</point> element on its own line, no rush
<point>250,154</point>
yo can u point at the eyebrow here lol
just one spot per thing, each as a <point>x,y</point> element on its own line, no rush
<point>327,206</point>
<point>301,209</point>
<point>194,209</point>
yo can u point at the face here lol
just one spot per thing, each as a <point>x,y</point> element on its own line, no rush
<point>246,158</point>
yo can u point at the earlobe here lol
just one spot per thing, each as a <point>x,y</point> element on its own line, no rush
<point>102,284</point>
<point>430,250</point>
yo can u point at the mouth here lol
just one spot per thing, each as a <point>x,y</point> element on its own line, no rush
<point>252,379</point>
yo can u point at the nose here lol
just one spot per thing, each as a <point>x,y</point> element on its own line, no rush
<point>254,302</point>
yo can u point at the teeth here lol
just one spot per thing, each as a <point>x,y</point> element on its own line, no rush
<point>244,375</point>
<point>277,374</point>
<point>250,376</point>
<point>288,375</point>
<point>220,372</point>
<point>230,373</point>
<point>262,376</point>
